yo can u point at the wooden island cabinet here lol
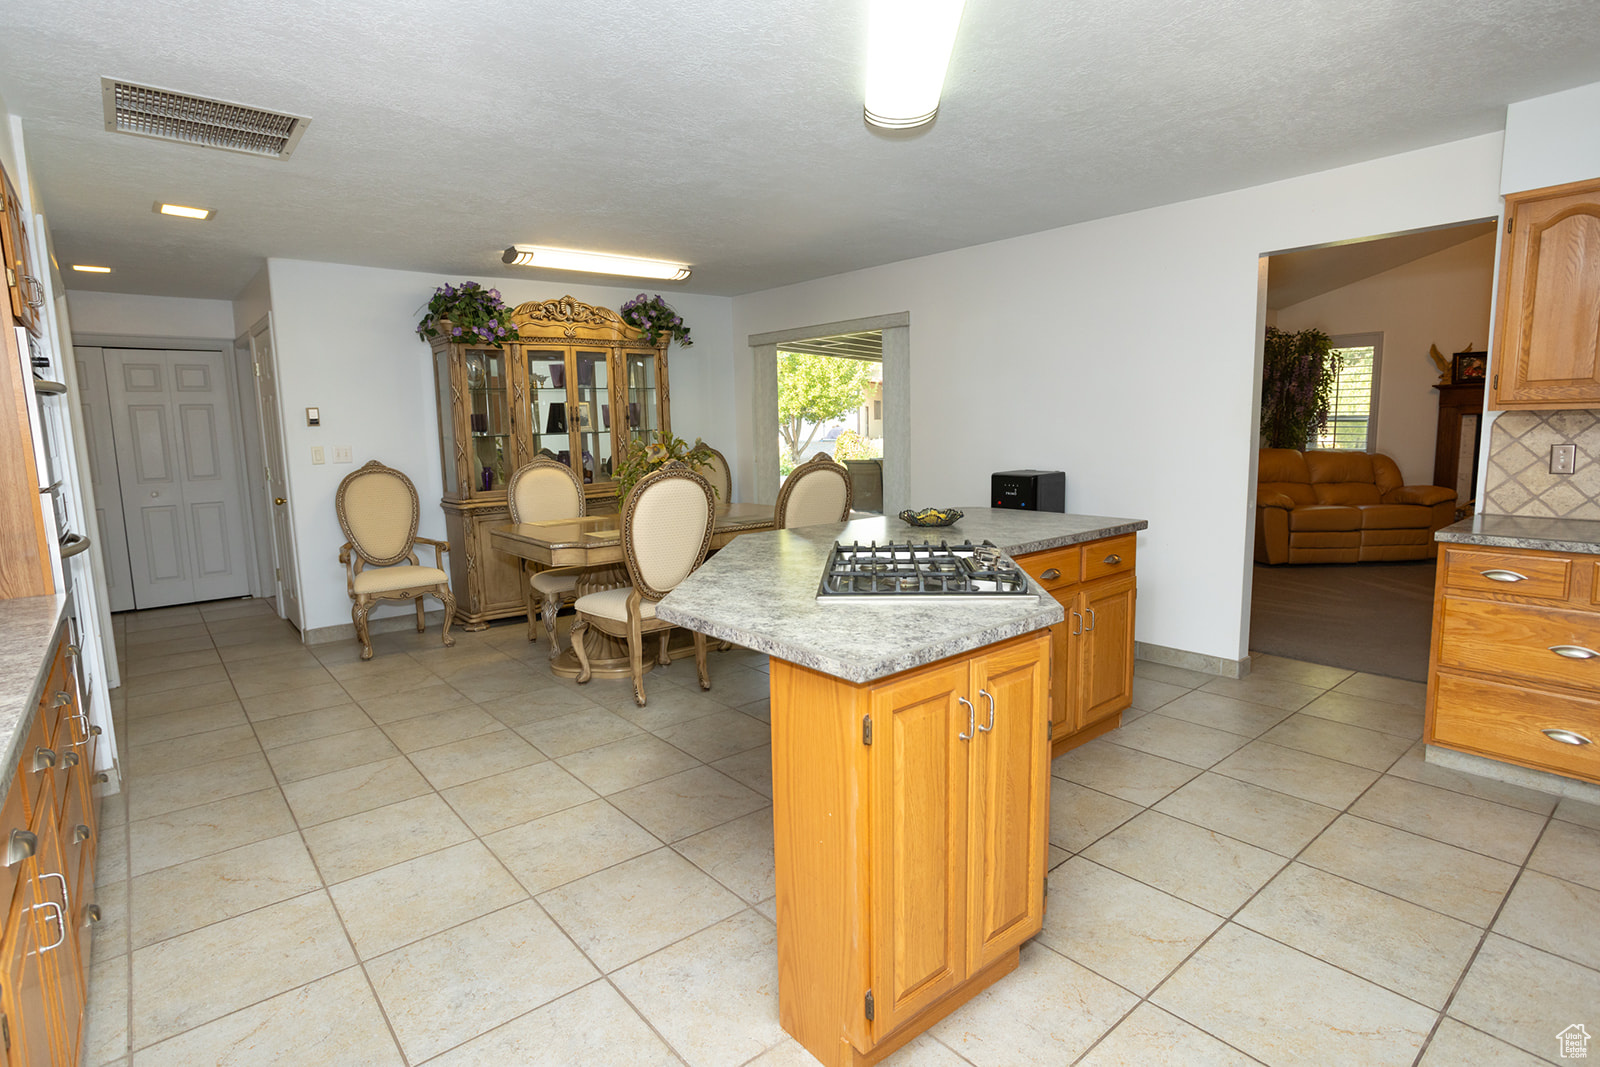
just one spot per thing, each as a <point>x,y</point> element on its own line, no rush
<point>910,823</point>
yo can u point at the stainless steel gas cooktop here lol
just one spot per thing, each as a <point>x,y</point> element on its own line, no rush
<point>922,570</point>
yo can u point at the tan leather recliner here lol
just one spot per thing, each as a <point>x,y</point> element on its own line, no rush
<point>1343,507</point>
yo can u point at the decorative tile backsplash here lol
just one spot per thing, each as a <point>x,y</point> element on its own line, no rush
<point>1519,481</point>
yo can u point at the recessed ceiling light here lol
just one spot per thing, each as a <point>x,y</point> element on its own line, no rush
<point>91,270</point>
<point>908,49</point>
<point>184,212</point>
<point>594,262</point>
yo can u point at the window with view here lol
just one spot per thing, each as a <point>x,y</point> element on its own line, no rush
<point>1353,410</point>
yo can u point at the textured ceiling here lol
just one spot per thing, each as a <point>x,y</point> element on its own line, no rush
<point>726,133</point>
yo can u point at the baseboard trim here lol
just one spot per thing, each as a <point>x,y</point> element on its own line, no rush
<point>346,631</point>
<point>1526,777</point>
<point>1192,661</point>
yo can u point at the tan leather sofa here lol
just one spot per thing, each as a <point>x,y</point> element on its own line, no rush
<point>1344,507</point>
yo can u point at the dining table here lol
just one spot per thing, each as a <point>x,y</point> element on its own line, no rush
<point>594,542</point>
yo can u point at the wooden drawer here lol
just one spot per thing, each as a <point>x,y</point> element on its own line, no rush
<point>1102,559</point>
<point>1063,562</point>
<point>34,782</point>
<point>1492,637</point>
<point>1508,722</point>
<point>13,816</point>
<point>1519,574</point>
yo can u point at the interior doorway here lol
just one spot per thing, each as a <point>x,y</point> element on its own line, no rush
<point>1391,304</point>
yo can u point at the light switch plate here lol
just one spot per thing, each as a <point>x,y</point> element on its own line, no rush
<point>341,453</point>
<point>317,455</point>
<point>1563,459</point>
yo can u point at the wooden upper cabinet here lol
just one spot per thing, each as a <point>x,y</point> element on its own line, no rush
<point>22,280</point>
<point>1547,333</point>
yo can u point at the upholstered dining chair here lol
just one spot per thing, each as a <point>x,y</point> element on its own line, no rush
<point>816,492</point>
<point>378,513</point>
<point>716,471</point>
<point>666,529</point>
<point>541,490</point>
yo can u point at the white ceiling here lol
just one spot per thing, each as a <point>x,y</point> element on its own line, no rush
<point>726,133</point>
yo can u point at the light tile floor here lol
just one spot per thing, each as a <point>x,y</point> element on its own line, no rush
<point>450,856</point>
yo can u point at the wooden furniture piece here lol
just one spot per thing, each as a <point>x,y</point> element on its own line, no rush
<point>665,535</point>
<point>910,819</point>
<point>378,513</point>
<point>816,492</point>
<point>1515,667</point>
<point>25,567</point>
<point>594,543</point>
<point>1092,650</point>
<point>1547,322</point>
<point>1455,455</point>
<point>578,386</point>
<point>22,278</point>
<point>49,847</point>
<point>546,490</point>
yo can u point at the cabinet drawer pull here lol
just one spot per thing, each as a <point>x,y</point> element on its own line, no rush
<point>74,651</point>
<point>69,759</point>
<point>1113,559</point>
<point>1498,575</point>
<point>80,833</point>
<point>1574,651</point>
<point>986,729</point>
<point>1051,575</point>
<point>24,843</point>
<point>1566,737</point>
<point>92,913</point>
<point>60,925</point>
<point>43,758</point>
<point>972,719</point>
<point>61,700</point>
<point>102,777</point>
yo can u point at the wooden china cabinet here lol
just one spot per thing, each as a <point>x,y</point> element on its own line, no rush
<point>578,385</point>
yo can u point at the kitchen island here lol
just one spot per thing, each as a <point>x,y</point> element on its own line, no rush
<point>910,752</point>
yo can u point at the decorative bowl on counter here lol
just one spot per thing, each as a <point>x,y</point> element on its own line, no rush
<point>932,516</point>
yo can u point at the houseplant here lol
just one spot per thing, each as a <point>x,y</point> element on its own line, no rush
<point>1298,372</point>
<point>651,316</point>
<point>468,313</point>
<point>645,456</point>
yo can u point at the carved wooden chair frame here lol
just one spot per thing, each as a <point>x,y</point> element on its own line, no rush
<point>540,605</point>
<point>813,467</point>
<point>635,628</point>
<point>356,559</point>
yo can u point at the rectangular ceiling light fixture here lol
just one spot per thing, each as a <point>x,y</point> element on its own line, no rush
<point>146,111</point>
<point>594,262</point>
<point>85,268</point>
<point>184,212</point>
<point>908,50</point>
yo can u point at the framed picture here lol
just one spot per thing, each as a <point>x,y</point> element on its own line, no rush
<point>1468,367</point>
<point>585,418</point>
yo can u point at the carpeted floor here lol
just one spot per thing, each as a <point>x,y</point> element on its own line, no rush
<point>1373,617</point>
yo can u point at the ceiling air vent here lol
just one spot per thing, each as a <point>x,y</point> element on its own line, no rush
<point>170,116</point>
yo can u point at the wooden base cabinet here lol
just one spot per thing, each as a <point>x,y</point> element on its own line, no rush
<point>910,819</point>
<point>1093,646</point>
<point>49,847</point>
<point>1515,669</point>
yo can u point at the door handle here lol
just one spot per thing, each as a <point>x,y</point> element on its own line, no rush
<point>279,500</point>
<point>972,719</point>
<point>990,696</point>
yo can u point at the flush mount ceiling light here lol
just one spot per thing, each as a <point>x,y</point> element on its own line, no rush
<point>91,270</point>
<point>594,262</point>
<point>183,212</point>
<point>908,49</point>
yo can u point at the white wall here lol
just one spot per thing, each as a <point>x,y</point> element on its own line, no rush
<point>1125,351</point>
<point>123,314</point>
<point>1551,140</point>
<point>1443,300</point>
<point>252,303</point>
<point>346,343</point>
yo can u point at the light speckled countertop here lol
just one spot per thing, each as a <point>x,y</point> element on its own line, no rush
<point>761,592</point>
<point>28,629</point>
<point>1525,531</point>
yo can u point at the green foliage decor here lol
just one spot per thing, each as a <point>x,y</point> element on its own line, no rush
<point>1298,373</point>
<point>851,445</point>
<point>816,389</point>
<point>645,456</point>
<point>652,316</point>
<point>469,314</point>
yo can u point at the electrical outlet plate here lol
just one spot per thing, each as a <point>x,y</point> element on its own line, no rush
<point>1563,459</point>
<point>317,455</point>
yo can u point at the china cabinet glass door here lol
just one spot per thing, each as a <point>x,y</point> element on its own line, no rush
<point>643,397</point>
<point>488,417</point>
<point>592,418</point>
<point>547,402</point>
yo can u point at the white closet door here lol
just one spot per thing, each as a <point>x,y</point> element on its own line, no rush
<point>98,434</point>
<point>175,462</point>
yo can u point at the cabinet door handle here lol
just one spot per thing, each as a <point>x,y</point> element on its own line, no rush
<point>1113,559</point>
<point>1574,651</point>
<point>1566,737</point>
<point>990,696</point>
<point>1086,629</point>
<point>972,718</point>
<point>1079,628</point>
<point>60,925</point>
<point>1498,575</point>
<point>1051,575</point>
<point>35,289</point>
<point>58,876</point>
<point>280,501</point>
<point>24,843</point>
